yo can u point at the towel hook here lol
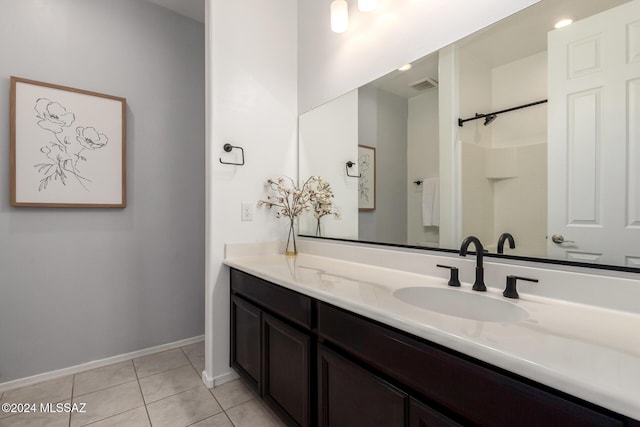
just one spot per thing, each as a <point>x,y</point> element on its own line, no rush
<point>228,147</point>
<point>350,165</point>
<point>418,182</point>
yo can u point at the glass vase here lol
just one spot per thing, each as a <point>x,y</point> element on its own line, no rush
<point>291,248</point>
<point>318,228</point>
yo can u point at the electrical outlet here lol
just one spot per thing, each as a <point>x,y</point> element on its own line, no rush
<point>247,211</point>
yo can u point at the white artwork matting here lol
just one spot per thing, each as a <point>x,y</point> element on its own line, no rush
<point>68,146</point>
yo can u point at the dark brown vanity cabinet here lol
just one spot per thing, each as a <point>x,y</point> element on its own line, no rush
<point>316,364</point>
<point>246,325</point>
<point>287,369</point>
<point>271,344</point>
<point>352,396</point>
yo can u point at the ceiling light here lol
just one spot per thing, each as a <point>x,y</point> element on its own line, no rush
<point>405,67</point>
<point>563,23</point>
<point>339,16</point>
<point>367,5</point>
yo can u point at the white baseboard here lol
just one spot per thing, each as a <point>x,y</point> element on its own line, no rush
<point>22,382</point>
<point>211,382</point>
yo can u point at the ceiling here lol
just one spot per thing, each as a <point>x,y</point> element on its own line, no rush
<point>193,9</point>
<point>518,36</point>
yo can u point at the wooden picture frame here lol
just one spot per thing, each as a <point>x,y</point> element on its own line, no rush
<point>68,147</point>
<point>367,180</point>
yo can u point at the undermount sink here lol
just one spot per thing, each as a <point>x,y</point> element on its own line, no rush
<point>454,302</point>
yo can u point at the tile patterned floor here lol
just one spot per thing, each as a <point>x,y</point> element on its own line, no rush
<point>162,389</point>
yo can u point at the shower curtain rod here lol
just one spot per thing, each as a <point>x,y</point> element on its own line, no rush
<point>482,116</point>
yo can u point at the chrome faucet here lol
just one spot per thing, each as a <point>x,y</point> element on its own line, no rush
<point>503,237</point>
<point>478,285</point>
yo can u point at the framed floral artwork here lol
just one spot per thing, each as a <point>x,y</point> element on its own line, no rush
<point>367,180</point>
<point>67,146</point>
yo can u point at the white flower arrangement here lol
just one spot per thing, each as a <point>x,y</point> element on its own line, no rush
<point>290,201</point>
<point>322,201</point>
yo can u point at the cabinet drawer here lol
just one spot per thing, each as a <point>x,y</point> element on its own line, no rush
<point>284,302</point>
<point>479,394</point>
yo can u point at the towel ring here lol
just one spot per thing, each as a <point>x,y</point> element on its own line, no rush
<point>228,147</point>
<point>350,164</point>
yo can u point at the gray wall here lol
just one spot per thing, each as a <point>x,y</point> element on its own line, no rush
<point>382,123</point>
<point>368,135</point>
<point>83,284</point>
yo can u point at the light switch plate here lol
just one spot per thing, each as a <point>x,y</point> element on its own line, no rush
<point>247,211</point>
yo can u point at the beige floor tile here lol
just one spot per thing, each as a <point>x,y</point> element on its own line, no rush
<point>220,420</point>
<point>233,394</point>
<point>168,383</point>
<point>195,354</point>
<point>253,413</point>
<point>105,377</point>
<point>52,391</point>
<point>36,419</point>
<point>160,362</point>
<point>108,402</point>
<point>184,408</point>
<point>134,418</point>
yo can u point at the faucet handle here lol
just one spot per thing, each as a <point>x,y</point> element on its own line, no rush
<point>510,291</point>
<point>453,280</point>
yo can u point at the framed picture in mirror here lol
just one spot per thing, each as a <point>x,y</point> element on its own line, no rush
<point>367,180</point>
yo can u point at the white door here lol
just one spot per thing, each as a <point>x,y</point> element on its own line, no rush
<point>594,138</point>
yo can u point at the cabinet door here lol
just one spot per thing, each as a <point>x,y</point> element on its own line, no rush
<point>420,415</point>
<point>351,396</point>
<point>287,361</point>
<point>245,340</point>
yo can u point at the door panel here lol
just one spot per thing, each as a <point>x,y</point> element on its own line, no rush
<point>594,138</point>
<point>245,340</point>
<point>287,369</point>
<point>352,396</point>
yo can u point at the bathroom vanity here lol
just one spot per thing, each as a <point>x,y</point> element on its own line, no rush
<point>328,342</point>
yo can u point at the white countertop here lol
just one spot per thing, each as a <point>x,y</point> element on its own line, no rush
<point>589,352</point>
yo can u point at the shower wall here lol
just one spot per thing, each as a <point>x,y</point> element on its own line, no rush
<point>504,164</point>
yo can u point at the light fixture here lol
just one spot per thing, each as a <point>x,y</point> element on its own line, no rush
<point>367,5</point>
<point>563,23</point>
<point>405,67</point>
<point>339,16</point>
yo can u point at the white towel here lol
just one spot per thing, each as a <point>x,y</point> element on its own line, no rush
<point>431,202</point>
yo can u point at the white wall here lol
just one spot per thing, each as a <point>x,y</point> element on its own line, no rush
<point>504,164</point>
<point>520,203</point>
<point>400,31</point>
<point>324,151</point>
<point>422,162</point>
<point>477,204</point>
<point>78,285</point>
<point>516,83</point>
<point>252,102</point>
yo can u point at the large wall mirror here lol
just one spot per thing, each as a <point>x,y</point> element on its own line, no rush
<point>520,128</point>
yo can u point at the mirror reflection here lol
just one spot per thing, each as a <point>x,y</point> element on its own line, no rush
<point>519,133</point>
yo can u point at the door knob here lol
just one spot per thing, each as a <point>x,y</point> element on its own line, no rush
<point>559,239</point>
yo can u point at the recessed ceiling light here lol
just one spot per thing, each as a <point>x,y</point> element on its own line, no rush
<point>405,67</point>
<point>563,23</point>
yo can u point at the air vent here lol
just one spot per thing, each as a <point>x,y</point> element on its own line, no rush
<point>424,84</point>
